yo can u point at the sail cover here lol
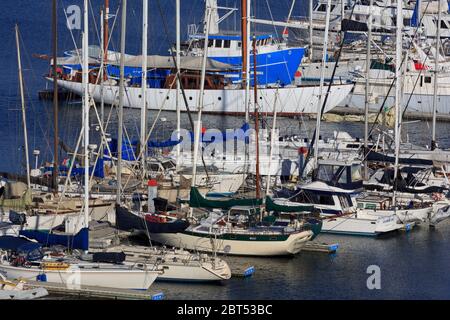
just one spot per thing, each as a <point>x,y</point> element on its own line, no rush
<point>196,200</point>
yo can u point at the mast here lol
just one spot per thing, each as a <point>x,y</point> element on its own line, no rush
<point>255,99</point>
<point>22,100</point>
<point>178,92</point>
<point>121,94</point>
<point>436,67</point>
<point>55,97</point>
<point>272,141</point>
<point>398,98</point>
<point>245,31</point>
<point>103,74</point>
<point>322,75</point>
<point>86,103</point>
<point>105,35</point>
<point>311,30</point>
<point>104,61</point>
<point>144,86</point>
<point>366,109</point>
<point>198,124</point>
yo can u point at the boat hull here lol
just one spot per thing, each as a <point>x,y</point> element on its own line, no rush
<point>73,277</point>
<point>363,226</point>
<point>127,220</point>
<point>292,244</point>
<point>288,101</point>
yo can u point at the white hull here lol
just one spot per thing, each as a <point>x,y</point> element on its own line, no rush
<point>110,278</point>
<point>178,265</point>
<point>292,245</point>
<point>421,100</point>
<point>360,224</point>
<point>289,100</point>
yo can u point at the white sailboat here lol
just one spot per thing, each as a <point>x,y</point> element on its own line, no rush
<point>22,258</point>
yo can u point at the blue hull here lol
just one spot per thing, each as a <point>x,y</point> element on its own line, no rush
<point>271,68</point>
<point>126,220</point>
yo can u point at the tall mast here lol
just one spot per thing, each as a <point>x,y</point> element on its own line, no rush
<point>398,97</point>
<point>366,109</point>
<point>245,31</point>
<point>105,35</point>
<point>198,124</point>
<point>22,100</point>
<point>103,74</point>
<point>178,92</point>
<point>144,86</point>
<point>436,67</point>
<point>311,3</point>
<point>86,104</point>
<point>121,94</point>
<point>104,61</point>
<point>55,97</point>
<point>322,75</point>
<point>255,101</point>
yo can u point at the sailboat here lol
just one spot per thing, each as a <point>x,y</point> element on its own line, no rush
<point>233,225</point>
<point>23,258</point>
<point>221,97</point>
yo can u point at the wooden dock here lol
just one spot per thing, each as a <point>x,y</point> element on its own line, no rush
<point>95,292</point>
<point>321,247</point>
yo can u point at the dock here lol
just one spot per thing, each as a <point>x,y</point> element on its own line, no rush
<point>95,292</point>
<point>321,247</point>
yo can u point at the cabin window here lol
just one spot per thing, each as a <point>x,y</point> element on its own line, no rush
<point>218,43</point>
<point>427,79</point>
<point>345,201</point>
<point>322,7</point>
<point>443,25</point>
<point>356,173</point>
<point>226,43</point>
<point>325,199</point>
<point>210,43</point>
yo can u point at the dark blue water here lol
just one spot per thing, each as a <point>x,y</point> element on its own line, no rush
<point>413,266</point>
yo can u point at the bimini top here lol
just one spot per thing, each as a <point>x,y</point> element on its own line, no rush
<point>22,245</point>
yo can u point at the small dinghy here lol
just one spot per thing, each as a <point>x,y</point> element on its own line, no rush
<point>15,291</point>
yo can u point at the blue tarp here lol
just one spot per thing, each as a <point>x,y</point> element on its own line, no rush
<point>414,22</point>
<point>31,249</point>
<point>77,241</point>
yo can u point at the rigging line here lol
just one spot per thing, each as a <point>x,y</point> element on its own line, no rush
<point>329,88</point>
<point>393,81</point>
<point>141,152</point>
<point>181,85</point>
<point>95,23</point>
<point>191,121</point>
<point>29,97</point>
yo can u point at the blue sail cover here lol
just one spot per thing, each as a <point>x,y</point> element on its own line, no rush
<point>30,249</point>
<point>77,241</point>
<point>128,149</point>
<point>164,144</point>
<point>414,20</point>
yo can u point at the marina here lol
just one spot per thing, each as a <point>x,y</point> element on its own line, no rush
<point>225,150</point>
